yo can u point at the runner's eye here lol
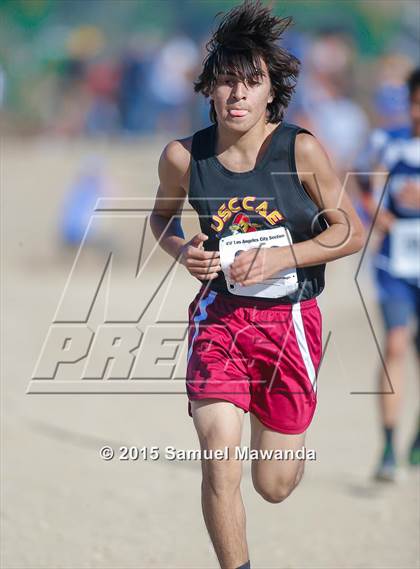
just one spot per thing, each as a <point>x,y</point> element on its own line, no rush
<point>254,82</point>
<point>223,80</point>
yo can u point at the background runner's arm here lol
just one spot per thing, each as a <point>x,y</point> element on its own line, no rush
<point>376,203</point>
<point>165,219</point>
<point>345,234</point>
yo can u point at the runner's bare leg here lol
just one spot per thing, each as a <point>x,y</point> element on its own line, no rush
<point>219,424</point>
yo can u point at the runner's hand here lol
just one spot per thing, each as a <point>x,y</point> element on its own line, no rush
<point>409,196</point>
<point>204,265</point>
<point>255,265</point>
<point>384,221</point>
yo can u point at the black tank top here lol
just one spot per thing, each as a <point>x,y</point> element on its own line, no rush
<point>268,196</point>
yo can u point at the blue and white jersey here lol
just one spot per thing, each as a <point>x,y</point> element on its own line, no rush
<point>373,151</point>
<point>399,253</point>
<point>381,138</point>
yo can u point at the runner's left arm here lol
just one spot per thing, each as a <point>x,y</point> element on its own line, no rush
<point>345,234</point>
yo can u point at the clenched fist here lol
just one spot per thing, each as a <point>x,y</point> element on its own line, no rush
<point>203,265</point>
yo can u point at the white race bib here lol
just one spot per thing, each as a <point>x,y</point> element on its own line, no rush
<point>404,259</point>
<point>280,284</point>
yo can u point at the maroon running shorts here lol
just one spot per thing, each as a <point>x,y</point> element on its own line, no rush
<point>264,358</point>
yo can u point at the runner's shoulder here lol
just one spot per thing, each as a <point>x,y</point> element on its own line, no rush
<point>308,150</point>
<point>175,159</point>
<point>177,153</point>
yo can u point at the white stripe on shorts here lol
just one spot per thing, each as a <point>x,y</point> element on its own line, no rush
<point>302,343</point>
<point>200,316</point>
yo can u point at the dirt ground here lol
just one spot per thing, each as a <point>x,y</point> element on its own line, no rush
<point>65,507</point>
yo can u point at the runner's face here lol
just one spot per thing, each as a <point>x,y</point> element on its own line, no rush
<point>239,106</point>
<point>415,111</point>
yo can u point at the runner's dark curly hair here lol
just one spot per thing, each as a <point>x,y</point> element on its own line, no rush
<point>246,34</point>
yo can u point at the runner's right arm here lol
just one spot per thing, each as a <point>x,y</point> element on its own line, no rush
<point>165,219</point>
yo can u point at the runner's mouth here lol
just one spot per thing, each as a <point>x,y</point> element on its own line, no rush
<point>237,113</point>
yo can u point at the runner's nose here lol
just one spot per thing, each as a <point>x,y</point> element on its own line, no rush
<point>239,91</point>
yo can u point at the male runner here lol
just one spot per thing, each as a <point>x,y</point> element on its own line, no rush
<point>397,272</point>
<point>272,213</point>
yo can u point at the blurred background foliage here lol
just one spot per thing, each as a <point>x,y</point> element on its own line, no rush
<point>98,62</point>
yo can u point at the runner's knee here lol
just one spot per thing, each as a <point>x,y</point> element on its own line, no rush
<point>278,490</point>
<point>221,477</point>
<point>276,493</point>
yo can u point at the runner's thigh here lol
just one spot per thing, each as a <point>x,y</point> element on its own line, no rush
<point>272,471</point>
